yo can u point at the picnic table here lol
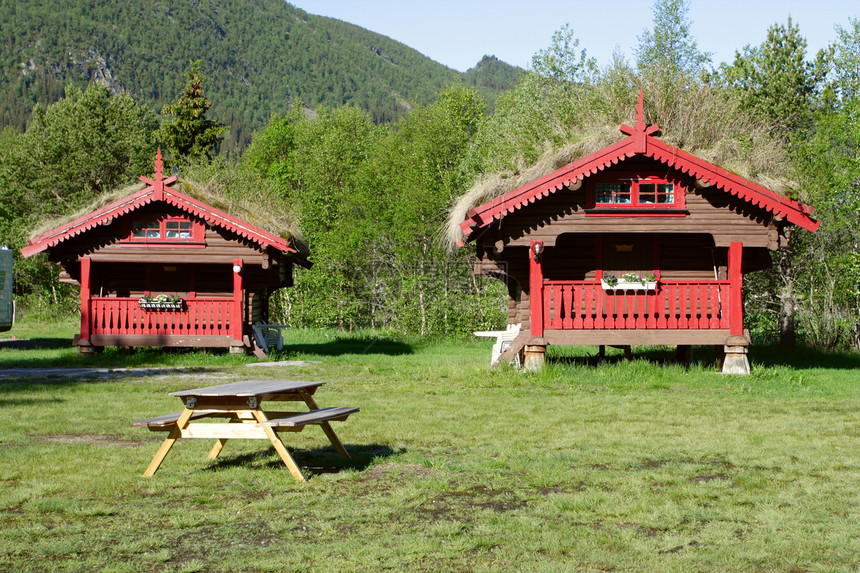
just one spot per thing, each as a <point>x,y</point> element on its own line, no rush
<point>241,403</point>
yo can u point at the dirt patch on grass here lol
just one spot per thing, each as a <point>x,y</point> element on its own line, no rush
<point>386,470</point>
<point>642,529</point>
<point>677,548</point>
<point>579,487</point>
<point>482,497</point>
<point>96,439</point>
<point>601,467</point>
<point>709,478</point>
<point>551,490</point>
<point>459,504</point>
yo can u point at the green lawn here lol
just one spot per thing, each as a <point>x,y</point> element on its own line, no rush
<point>626,466</point>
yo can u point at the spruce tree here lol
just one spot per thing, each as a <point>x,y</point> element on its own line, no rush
<point>191,135</point>
<point>776,80</point>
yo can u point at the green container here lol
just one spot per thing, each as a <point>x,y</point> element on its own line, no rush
<point>7,304</point>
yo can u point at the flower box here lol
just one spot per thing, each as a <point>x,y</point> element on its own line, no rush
<point>629,285</point>
<point>168,305</point>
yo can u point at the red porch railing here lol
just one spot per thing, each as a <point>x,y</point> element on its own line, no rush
<point>681,305</point>
<point>199,317</point>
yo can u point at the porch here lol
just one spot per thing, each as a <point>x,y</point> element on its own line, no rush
<point>674,312</point>
<point>681,312</point>
<point>126,321</point>
<point>120,321</point>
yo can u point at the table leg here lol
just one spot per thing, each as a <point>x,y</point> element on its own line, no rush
<point>220,442</point>
<point>280,447</point>
<point>216,449</point>
<point>326,427</point>
<point>168,442</point>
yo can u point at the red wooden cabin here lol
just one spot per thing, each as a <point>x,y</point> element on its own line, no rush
<point>216,270</point>
<point>638,207</point>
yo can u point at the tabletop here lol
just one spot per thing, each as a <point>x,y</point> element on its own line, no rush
<point>250,388</point>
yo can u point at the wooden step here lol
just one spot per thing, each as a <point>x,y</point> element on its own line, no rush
<point>513,349</point>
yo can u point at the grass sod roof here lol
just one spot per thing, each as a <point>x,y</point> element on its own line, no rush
<point>706,123</point>
<point>266,210</point>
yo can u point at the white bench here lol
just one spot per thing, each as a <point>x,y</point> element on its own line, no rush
<point>503,339</point>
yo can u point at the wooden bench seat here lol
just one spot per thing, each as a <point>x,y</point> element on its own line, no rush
<point>165,421</point>
<point>333,414</point>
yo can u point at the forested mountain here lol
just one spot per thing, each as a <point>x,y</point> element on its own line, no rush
<point>260,57</point>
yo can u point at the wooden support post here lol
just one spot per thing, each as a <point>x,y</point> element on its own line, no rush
<point>598,256</point>
<point>736,304</point>
<point>735,360</point>
<point>535,354</point>
<point>238,299</point>
<point>86,298</point>
<point>536,288</point>
<point>684,354</point>
<point>719,355</point>
<point>192,280</point>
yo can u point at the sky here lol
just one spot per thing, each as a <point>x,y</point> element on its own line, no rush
<point>458,33</point>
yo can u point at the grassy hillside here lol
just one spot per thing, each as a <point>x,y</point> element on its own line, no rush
<point>261,57</point>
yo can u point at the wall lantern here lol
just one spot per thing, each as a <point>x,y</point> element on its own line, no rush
<point>237,269</point>
<point>537,249</point>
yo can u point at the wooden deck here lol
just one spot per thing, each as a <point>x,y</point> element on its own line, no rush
<point>124,315</point>
<point>200,322</point>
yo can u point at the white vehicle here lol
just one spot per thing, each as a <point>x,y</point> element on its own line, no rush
<point>7,303</point>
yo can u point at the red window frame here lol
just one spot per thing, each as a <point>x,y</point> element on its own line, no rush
<point>164,230</point>
<point>629,195</point>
